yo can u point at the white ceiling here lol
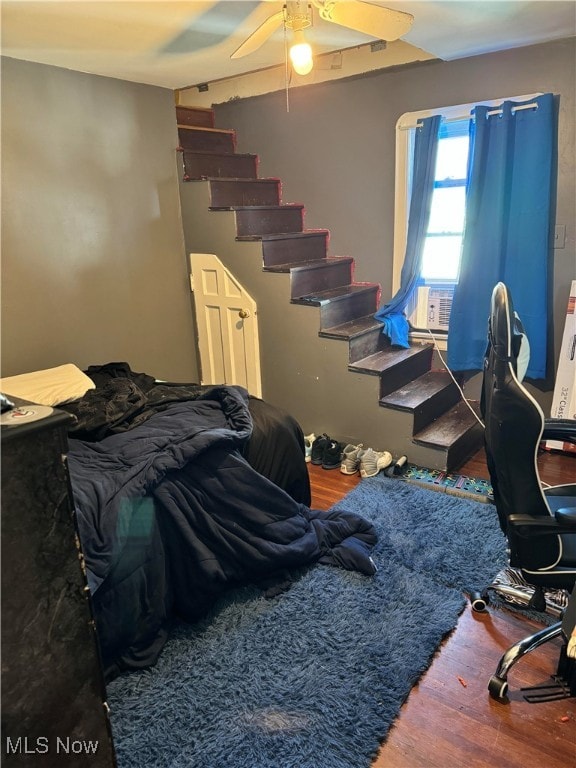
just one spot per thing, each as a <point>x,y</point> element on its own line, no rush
<point>175,44</point>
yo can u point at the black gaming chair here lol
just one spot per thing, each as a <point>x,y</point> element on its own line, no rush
<point>540,525</point>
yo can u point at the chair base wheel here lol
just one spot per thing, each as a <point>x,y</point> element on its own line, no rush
<point>479,601</point>
<point>498,688</point>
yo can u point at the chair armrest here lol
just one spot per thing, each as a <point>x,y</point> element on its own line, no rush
<point>566,516</point>
<point>564,521</point>
<point>563,430</point>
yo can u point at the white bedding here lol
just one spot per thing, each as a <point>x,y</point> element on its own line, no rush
<point>52,386</point>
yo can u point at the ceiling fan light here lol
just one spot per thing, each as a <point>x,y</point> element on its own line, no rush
<point>301,55</point>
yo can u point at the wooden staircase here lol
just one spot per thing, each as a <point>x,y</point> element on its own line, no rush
<point>443,432</point>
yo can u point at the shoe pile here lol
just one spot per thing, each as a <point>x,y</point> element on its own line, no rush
<point>326,452</point>
<point>368,461</point>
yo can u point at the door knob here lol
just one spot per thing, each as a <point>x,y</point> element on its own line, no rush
<point>244,313</point>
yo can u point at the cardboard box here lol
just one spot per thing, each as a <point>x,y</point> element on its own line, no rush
<point>564,400</point>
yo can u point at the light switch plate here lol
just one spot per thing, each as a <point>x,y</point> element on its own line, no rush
<point>559,236</point>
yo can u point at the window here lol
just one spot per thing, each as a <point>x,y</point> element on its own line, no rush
<point>431,303</point>
<point>441,256</point>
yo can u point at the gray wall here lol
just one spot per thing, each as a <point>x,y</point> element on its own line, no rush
<point>334,151</point>
<point>93,262</point>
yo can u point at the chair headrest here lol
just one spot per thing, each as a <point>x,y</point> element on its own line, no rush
<point>506,333</point>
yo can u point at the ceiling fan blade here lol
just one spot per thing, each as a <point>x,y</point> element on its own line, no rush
<point>259,36</point>
<point>381,23</point>
<point>209,28</point>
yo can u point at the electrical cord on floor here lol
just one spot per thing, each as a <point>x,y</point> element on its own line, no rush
<point>437,348</point>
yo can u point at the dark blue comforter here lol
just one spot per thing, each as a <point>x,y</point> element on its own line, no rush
<point>181,476</point>
<point>109,478</point>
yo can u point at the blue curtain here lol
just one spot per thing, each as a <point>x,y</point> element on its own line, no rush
<point>507,230</point>
<point>392,315</point>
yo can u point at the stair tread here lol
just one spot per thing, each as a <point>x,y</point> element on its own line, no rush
<point>282,206</point>
<point>206,129</point>
<point>226,155</point>
<point>418,391</point>
<point>386,358</point>
<point>218,153</point>
<point>303,266</point>
<point>194,109</point>
<point>448,428</point>
<point>335,294</point>
<point>306,233</point>
<point>351,329</point>
<point>242,180</point>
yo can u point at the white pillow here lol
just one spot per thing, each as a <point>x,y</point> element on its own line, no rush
<point>52,386</point>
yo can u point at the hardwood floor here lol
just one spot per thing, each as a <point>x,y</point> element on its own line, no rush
<point>449,720</point>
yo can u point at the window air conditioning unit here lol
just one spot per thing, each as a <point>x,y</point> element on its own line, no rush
<point>433,307</point>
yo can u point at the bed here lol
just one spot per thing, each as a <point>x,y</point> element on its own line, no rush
<point>181,492</point>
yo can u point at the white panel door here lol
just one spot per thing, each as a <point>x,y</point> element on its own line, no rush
<point>227,323</point>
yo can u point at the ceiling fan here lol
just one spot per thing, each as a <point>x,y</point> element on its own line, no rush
<point>374,20</point>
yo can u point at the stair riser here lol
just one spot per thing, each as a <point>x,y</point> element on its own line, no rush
<point>435,406</point>
<point>206,141</point>
<point>463,448</point>
<point>305,282</point>
<point>202,166</point>
<point>354,305</point>
<point>203,118</point>
<point>290,250</point>
<point>224,194</point>
<point>406,371</point>
<point>367,344</point>
<point>269,222</point>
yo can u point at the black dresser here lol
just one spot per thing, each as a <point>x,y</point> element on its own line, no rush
<point>53,694</point>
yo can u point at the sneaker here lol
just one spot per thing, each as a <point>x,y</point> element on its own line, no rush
<point>318,446</point>
<point>371,462</point>
<point>308,440</point>
<point>351,459</point>
<point>332,456</point>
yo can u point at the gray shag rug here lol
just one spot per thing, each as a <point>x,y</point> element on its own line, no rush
<point>314,677</point>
